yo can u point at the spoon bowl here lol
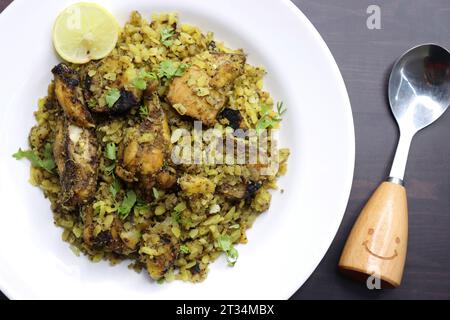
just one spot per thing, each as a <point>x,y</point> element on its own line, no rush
<point>419,87</point>
<point>419,93</point>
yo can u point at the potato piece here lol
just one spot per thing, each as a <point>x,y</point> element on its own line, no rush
<point>196,185</point>
<point>229,67</point>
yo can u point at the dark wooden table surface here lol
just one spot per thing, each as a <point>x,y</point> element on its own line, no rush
<point>365,57</point>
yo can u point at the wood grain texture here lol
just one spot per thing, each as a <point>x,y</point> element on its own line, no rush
<point>378,241</point>
<point>365,58</point>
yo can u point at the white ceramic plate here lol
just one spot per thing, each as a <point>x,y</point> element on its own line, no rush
<point>285,244</point>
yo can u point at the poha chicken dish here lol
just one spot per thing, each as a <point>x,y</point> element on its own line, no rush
<point>102,150</point>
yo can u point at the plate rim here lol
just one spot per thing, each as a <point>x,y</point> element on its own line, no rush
<point>350,135</point>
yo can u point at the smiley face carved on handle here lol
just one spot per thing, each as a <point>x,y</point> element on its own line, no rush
<point>391,257</point>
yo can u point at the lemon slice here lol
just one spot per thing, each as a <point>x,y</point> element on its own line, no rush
<point>85,31</point>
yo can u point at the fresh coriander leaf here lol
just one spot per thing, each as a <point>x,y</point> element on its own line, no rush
<point>167,43</point>
<point>111,151</point>
<point>112,96</point>
<point>166,34</point>
<point>140,83</point>
<point>167,69</point>
<point>232,256</point>
<point>46,162</point>
<point>155,193</point>
<point>143,111</point>
<point>181,69</point>
<point>280,108</point>
<point>147,75</point>
<point>30,155</point>
<point>114,189</point>
<point>263,123</point>
<point>127,204</point>
<point>265,109</point>
<point>225,244</point>
<point>109,169</point>
<point>48,150</point>
<point>266,121</point>
<point>184,249</point>
<point>170,69</point>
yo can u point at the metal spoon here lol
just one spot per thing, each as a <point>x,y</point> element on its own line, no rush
<point>419,93</point>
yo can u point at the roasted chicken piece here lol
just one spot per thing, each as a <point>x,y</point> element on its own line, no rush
<point>114,239</point>
<point>166,178</point>
<point>233,118</point>
<point>130,96</point>
<point>229,67</point>
<point>185,100</point>
<point>189,99</point>
<point>160,249</point>
<point>146,149</point>
<point>70,97</point>
<point>128,99</point>
<point>76,154</point>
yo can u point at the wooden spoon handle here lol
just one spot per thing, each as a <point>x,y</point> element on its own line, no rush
<point>378,241</point>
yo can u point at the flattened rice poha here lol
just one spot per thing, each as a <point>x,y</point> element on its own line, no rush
<point>101,150</point>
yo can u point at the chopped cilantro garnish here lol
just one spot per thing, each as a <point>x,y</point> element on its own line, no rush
<point>232,256</point>
<point>112,96</point>
<point>115,188</point>
<point>46,162</point>
<point>225,244</point>
<point>166,34</point>
<point>184,249</point>
<point>267,121</point>
<point>140,82</point>
<point>170,69</point>
<point>280,109</point>
<point>127,204</point>
<point>147,75</point>
<point>143,111</point>
<point>110,151</point>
